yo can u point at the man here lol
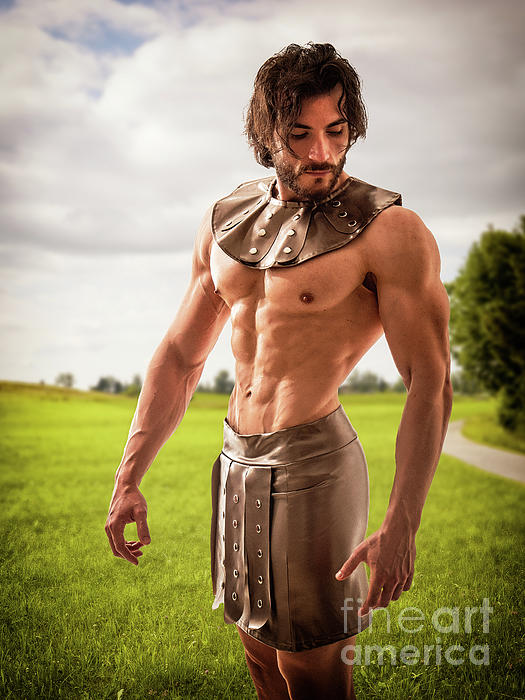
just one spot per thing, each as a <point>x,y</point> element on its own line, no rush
<point>312,267</point>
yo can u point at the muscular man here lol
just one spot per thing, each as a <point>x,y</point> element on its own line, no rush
<point>312,266</point>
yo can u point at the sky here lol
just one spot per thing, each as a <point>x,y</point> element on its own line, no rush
<point>121,122</point>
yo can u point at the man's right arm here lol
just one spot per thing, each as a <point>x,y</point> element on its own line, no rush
<point>170,382</point>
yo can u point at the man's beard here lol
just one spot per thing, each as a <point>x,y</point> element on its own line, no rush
<point>290,178</point>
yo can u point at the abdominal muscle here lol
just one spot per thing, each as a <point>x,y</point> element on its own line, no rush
<point>289,365</point>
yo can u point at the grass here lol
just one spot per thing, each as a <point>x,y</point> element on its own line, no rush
<point>485,429</point>
<point>78,623</point>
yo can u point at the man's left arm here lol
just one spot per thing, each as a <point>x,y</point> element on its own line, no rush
<point>414,311</point>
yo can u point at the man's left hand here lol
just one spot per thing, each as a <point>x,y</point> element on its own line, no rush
<point>390,553</point>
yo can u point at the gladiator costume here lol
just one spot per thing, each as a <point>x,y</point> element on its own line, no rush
<point>289,507</point>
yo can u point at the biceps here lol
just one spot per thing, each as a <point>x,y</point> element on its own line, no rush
<point>416,329</point>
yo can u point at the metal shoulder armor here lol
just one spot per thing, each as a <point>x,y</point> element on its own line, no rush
<point>258,230</point>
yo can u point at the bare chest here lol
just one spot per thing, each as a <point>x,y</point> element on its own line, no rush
<point>322,283</point>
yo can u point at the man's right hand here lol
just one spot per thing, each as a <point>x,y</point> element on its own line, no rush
<point>127,505</point>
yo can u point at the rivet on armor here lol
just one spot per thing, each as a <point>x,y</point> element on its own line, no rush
<point>351,235</point>
<point>223,514</point>
<point>352,223</point>
<point>260,579</point>
<point>229,223</point>
<point>234,596</point>
<point>258,503</point>
<point>253,251</point>
<point>342,214</point>
<point>246,211</point>
<point>269,215</point>
<point>261,232</point>
<point>259,553</point>
<point>235,523</point>
<point>236,498</point>
<point>297,217</point>
<point>236,573</point>
<point>287,249</point>
<point>336,203</point>
<point>258,528</point>
<point>259,603</point>
<point>224,490</point>
<point>235,546</point>
<point>291,232</point>
<point>224,538</point>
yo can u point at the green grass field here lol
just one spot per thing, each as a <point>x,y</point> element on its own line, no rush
<point>78,623</point>
<point>484,428</point>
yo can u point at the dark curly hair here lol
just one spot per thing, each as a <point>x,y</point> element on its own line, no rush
<point>285,80</point>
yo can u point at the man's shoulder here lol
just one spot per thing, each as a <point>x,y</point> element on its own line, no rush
<point>400,220</point>
<point>249,188</point>
<point>400,240</point>
<point>402,224</point>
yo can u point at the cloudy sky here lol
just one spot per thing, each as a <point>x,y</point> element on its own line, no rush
<point>121,121</point>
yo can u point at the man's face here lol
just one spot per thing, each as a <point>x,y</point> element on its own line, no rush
<point>320,141</point>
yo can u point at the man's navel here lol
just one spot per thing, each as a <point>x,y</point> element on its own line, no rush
<point>306,297</point>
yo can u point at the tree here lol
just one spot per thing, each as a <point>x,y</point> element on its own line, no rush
<point>366,383</point>
<point>65,379</point>
<point>135,387</point>
<point>487,321</point>
<point>398,386</point>
<point>222,384</point>
<point>463,384</point>
<point>109,384</point>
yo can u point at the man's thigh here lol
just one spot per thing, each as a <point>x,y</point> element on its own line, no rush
<point>300,675</point>
<point>319,672</point>
<point>261,660</point>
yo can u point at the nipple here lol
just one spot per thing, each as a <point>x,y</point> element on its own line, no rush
<point>306,297</point>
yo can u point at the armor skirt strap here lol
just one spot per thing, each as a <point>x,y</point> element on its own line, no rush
<point>257,543</point>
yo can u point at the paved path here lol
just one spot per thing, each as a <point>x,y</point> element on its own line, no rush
<point>488,458</point>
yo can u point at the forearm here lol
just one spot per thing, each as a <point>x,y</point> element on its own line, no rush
<point>418,447</point>
<point>168,387</point>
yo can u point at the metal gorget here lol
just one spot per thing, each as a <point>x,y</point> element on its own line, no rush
<point>258,230</point>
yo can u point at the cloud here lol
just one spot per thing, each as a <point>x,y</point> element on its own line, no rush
<point>124,122</point>
<point>112,152</point>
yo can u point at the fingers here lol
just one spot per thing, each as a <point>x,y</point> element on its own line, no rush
<point>386,595</point>
<point>381,594</point>
<point>127,509</point>
<point>357,556</point>
<point>134,545</point>
<point>397,591</point>
<point>119,547</point>
<point>408,582</point>
<point>372,599</point>
<point>142,525</point>
<point>110,538</point>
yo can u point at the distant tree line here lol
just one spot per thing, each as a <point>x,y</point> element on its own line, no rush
<point>368,382</point>
<point>110,385</point>
<point>222,384</point>
<point>357,383</point>
<point>107,384</point>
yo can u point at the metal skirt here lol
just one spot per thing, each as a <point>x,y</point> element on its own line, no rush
<point>289,507</point>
